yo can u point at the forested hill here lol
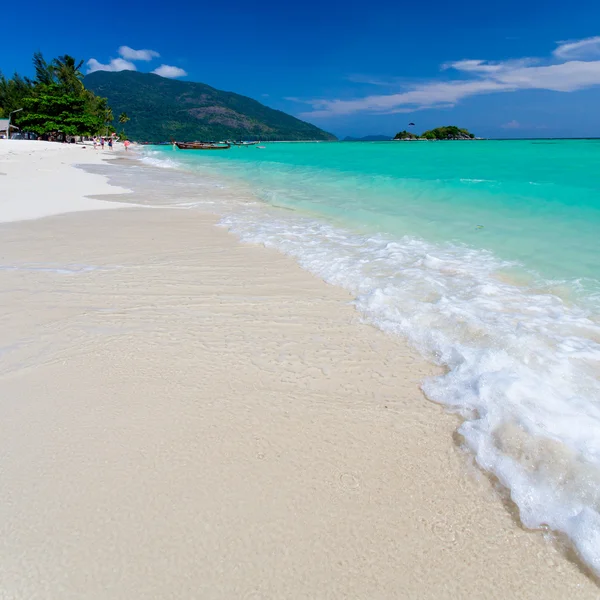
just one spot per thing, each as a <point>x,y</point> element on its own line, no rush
<point>162,109</point>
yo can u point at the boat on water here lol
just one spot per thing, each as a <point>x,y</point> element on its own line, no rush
<point>201,146</point>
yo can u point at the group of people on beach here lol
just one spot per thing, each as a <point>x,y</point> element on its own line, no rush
<point>100,141</point>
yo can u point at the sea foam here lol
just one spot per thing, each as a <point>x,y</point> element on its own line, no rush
<point>156,158</point>
<point>521,364</point>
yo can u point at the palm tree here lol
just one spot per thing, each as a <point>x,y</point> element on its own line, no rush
<point>108,117</point>
<point>123,118</point>
<point>68,72</point>
<point>44,72</point>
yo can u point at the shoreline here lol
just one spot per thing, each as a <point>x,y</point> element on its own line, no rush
<point>185,412</point>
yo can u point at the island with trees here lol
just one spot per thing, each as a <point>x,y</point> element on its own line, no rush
<point>449,132</point>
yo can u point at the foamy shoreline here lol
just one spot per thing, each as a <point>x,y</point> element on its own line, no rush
<point>185,416</point>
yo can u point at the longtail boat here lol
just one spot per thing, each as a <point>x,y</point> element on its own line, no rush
<point>201,146</point>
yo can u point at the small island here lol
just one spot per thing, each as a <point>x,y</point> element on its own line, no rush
<point>449,132</point>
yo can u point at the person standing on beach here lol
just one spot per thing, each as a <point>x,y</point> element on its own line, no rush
<point>101,143</point>
<point>95,143</point>
<point>110,143</point>
<point>126,144</point>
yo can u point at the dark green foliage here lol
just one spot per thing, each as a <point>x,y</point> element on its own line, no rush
<point>405,135</point>
<point>44,73</point>
<point>450,132</point>
<point>51,109</point>
<point>163,109</point>
<point>55,101</point>
<point>12,92</point>
<point>67,73</point>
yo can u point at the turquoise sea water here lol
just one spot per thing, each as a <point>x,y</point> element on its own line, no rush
<point>485,256</point>
<point>537,202</point>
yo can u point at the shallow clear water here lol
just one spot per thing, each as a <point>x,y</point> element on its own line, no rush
<point>484,255</point>
<point>516,198</point>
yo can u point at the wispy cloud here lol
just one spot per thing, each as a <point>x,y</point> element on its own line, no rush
<point>377,81</point>
<point>525,126</point>
<point>586,48</point>
<point>169,71</point>
<point>479,77</point>
<point>421,97</point>
<point>131,54</point>
<point>116,64</point>
<point>479,67</point>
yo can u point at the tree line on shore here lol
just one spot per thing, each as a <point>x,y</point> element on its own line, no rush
<point>55,102</point>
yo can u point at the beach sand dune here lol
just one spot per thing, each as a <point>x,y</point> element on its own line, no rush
<point>183,416</point>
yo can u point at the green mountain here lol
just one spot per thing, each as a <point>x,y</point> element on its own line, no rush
<point>162,109</point>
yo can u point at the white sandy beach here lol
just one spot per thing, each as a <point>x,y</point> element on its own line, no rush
<point>38,180</point>
<point>184,416</point>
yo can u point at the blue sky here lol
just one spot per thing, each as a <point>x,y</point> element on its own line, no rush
<point>513,69</point>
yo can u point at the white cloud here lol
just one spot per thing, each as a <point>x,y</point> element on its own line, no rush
<point>421,97</point>
<point>116,64</point>
<point>487,67</point>
<point>565,77</point>
<point>480,77</point>
<point>169,71</point>
<point>131,54</point>
<point>586,48</point>
<point>511,125</point>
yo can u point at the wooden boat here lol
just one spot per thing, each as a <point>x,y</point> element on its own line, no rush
<point>201,146</point>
